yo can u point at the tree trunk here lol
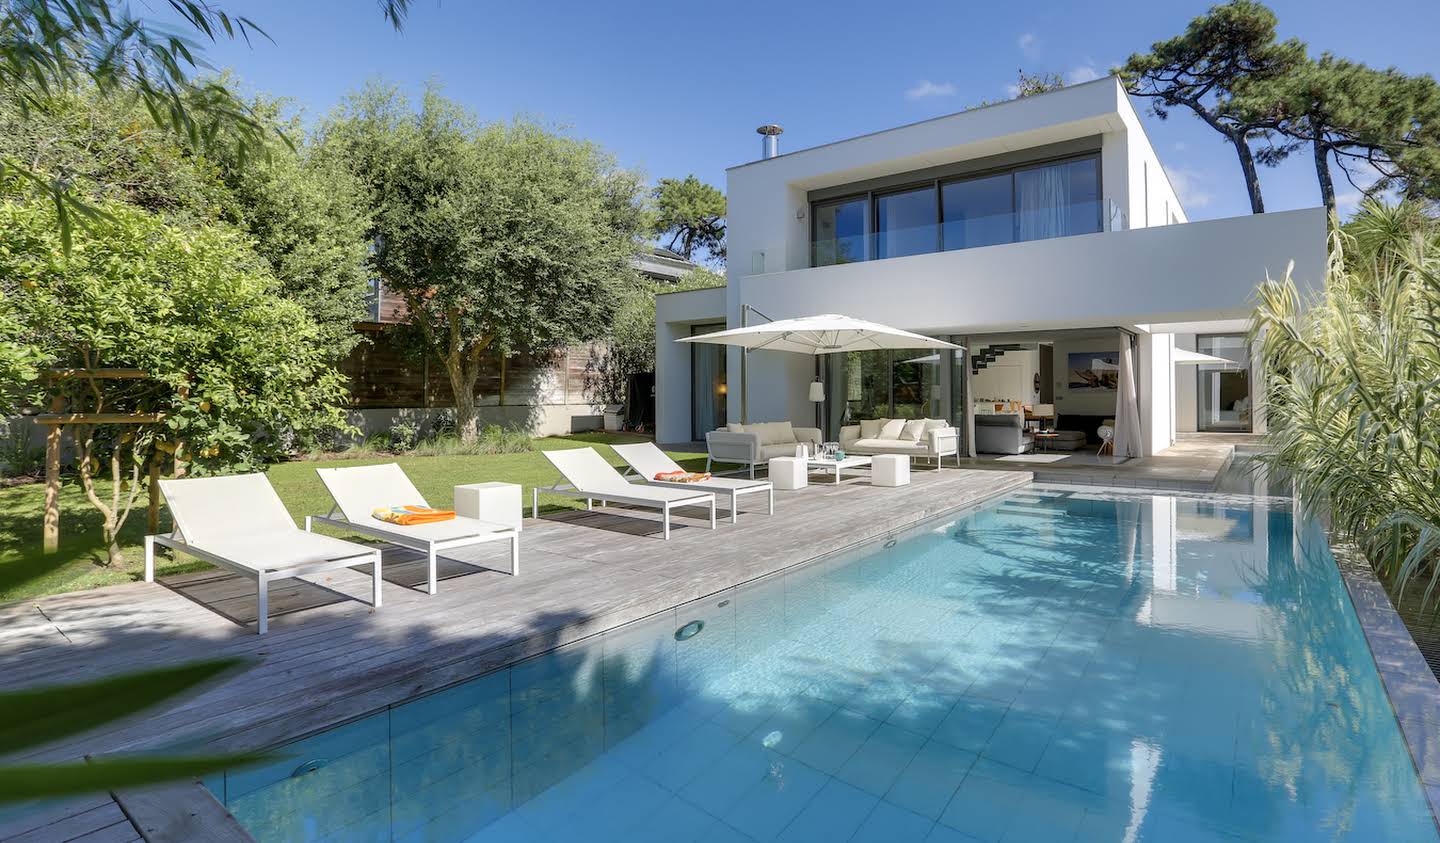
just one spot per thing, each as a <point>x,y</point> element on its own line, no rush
<point>467,423</point>
<point>1322,171</point>
<point>1247,166</point>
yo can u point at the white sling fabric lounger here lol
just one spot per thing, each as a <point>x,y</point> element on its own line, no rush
<point>591,477</point>
<point>239,523</point>
<point>647,461</point>
<point>361,490</point>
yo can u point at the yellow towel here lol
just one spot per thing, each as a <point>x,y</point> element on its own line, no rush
<point>409,516</point>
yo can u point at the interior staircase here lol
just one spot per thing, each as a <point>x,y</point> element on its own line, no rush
<point>991,353</point>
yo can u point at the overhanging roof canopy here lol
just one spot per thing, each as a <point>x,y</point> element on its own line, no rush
<point>1182,357</point>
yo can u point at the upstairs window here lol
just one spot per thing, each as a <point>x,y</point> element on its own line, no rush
<point>1057,200</point>
<point>979,212</point>
<point>840,231</point>
<point>905,223</point>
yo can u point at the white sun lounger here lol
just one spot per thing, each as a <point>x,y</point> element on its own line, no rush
<point>360,490</point>
<point>646,460</point>
<point>591,477</point>
<point>239,524</point>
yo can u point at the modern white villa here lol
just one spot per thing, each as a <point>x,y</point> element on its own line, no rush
<point>1041,234</point>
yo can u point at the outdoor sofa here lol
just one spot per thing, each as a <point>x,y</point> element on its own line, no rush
<point>755,444</point>
<point>922,439</point>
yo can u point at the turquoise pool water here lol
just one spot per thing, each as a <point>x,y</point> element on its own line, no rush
<point>1065,665</point>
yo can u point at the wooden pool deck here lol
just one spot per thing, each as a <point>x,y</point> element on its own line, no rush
<point>329,657</point>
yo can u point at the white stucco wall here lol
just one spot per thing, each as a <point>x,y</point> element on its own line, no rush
<point>1157,373</point>
<point>1197,271</point>
<point>675,314</point>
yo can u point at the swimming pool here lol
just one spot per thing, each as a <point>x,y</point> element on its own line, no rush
<point>1064,664</point>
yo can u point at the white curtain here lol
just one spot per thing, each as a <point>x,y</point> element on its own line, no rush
<point>1127,403</point>
<point>1043,199</point>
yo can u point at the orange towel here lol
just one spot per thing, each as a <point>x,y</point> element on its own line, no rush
<point>409,516</point>
<point>683,476</point>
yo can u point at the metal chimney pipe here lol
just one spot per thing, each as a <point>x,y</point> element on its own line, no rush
<point>770,141</point>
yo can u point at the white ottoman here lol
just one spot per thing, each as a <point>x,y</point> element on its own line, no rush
<point>788,472</point>
<point>498,503</point>
<point>890,470</point>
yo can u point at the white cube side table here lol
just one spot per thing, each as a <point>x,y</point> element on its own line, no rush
<point>497,503</point>
<point>890,470</point>
<point>788,473</point>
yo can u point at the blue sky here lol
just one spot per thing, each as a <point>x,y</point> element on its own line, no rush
<point>675,89</point>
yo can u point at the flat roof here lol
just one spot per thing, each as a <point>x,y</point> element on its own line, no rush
<point>1111,79</point>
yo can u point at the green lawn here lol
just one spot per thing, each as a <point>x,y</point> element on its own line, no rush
<point>25,572</point>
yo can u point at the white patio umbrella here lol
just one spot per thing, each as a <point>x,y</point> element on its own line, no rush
<point>827,333</point>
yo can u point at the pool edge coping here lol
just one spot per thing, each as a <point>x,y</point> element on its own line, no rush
<point>1411,688</point>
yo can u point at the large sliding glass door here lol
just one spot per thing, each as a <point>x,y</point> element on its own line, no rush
<point>915,384</point>
<point>707,383</point>
<point>1223,401</point>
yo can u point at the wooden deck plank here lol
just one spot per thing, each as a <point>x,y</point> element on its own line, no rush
<point>180,812</point>
<point>71,820</point>
<point>323,665</point>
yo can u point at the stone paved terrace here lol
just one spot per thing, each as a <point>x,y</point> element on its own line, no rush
<point>1191,464</point>
<point>329,657</point>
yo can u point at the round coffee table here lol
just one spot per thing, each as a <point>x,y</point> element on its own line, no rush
<point>1045,438</point>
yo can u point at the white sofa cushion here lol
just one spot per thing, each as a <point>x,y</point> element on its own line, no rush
<point>735,427</point>
<point>782,449</point>
<point>892,429</point>
<point>870,428</point>
<point>775,433</point>
<point>887,445</point>
<point>913,429</point>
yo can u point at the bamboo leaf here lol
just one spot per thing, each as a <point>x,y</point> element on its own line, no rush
<point>38,716</point>
<point>47,781</point>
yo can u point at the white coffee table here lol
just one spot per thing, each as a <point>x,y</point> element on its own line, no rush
<point>837,466</point>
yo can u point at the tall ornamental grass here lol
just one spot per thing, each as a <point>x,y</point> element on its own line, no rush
<point>1353,389</point>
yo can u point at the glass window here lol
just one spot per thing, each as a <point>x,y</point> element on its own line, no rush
<point>707,383</point>
<point>840,229</point>
<point>917,384</point>
<point>1224,393</point>
<point>1057,200</point>
<point>905,223</point>
<point>979,212</point>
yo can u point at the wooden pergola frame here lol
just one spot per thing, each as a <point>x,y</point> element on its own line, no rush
<point>56,420</point>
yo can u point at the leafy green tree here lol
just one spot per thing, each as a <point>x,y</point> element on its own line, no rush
<point>18,360</point>
<point>50,46</point>
<point>233,368</point>
<point>305,216</point>
<point>1382,123</point>
<point>1030,84</point>
<point>631,347</point>
<point>1351,400</point>
<point>1200,69</point>
<point>500,238</point>
<point>691,214</point>
<point>107,149</point>
<point>309,221</point>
